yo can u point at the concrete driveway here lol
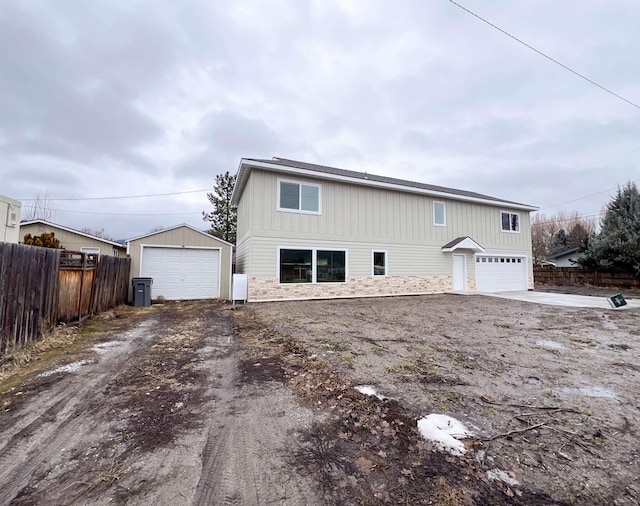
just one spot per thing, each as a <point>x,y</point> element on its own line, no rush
<point>562,299</point>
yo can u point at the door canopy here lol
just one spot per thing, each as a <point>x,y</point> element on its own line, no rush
<point>462,243</point>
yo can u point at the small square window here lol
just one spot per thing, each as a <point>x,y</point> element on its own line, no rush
<point>509,222</point>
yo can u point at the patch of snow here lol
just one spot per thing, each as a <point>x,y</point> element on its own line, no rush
<point>103,347</point>
<point>499,474</point>
<point>445,432</point>
<point>592,391</point>
<point>545,343</point>
<point>369,390</point>
<point>73,366</point>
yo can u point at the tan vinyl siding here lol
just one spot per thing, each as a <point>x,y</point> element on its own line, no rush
<point>184,236</point>
<point>71,241</point>
<point>372,215</point>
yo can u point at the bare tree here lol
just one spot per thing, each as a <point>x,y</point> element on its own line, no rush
<point>40,208</point>
<point>97,233</point>
<point>546,231</point>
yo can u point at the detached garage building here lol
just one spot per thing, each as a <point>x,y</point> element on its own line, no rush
<point>184,263</point>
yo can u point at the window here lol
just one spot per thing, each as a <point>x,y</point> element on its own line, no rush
<point>510,222</point>
<point>295,266</point>
<point>439,216</point>
<point>379,263</point>
<point>330,266</point>
<point>94,251</point>
<point>298,197</point>
<point>312,266</point>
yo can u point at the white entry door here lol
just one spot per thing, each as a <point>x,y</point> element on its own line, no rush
<point>182,273</point>
<point>459,272</point>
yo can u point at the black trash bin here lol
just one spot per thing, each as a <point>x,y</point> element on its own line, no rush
<point>142,291</point>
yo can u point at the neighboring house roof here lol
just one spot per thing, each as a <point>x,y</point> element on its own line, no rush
<point>74,231</point>
<point>363,178</point>
<point>462,243</point>
<point>156,232</point>
<point>564,253</point>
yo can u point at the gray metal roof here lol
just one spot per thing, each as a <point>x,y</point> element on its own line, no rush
<point>366,177</point>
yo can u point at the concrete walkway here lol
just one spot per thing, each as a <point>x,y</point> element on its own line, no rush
<point>562,299</point>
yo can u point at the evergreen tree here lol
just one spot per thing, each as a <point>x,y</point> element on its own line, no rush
<point>617,246</point>
<point>224,217</point>
<point>560,241</point>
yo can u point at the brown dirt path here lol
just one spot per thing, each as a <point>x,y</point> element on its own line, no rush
<point>153,414</point>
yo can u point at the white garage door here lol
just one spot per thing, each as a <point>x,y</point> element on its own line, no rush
<point>182,273</point>
<point>500,273</point>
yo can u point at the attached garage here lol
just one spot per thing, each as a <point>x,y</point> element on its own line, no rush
<point>500,273</point>
<point>184,263</point>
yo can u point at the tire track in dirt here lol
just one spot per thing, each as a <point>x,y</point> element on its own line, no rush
<point>38,432</point>
<point>243,457</point>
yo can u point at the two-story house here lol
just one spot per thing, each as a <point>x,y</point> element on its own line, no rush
<point>310,231</point>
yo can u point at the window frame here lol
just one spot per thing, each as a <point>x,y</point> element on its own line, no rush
<point>444,213</point>
<point>299,210</point>
<point>314,264</point>
<point>511,214</point>
<point>386,262</point>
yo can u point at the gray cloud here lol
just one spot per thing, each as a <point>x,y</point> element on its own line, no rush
<point>119,98</point>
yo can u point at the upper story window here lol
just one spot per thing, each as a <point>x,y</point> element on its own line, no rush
<point>298,197</point>
<point>439,214</point>
<point>510,222</point>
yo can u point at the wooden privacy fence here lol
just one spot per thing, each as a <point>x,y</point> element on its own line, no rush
<point>28,292</point>
<point>40,287</point>
<point>578,276</point>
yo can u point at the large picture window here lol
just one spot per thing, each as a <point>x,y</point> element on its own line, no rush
<point>298,197</point>
<point>295,266</point>
<point>330,266</point>
<point>312,266</point>
<point>510,222</point>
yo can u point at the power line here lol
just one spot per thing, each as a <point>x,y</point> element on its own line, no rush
<point>570,218</point>
<point>582,198</point>
<point>118,197</point>
<point>547,56</point>
<point>119,214</point>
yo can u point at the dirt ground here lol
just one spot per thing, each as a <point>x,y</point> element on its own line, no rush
<point>196,403</point>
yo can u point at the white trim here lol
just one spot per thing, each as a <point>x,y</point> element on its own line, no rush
<point>67,229</point>
<point>173,228</point>
<point>246,164</point>
<point>466,243</point>
<point>386,262</point>
<point>314,260</point>
<point>510,231</point>
<point>173,246</point>
<point>444,213</point>
<point>300,185</point>
<point>464,269</point>
<point>89,249</point>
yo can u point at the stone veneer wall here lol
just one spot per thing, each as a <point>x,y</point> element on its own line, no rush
<point>263,289</point>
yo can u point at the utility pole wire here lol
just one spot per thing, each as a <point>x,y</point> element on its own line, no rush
<point>547,56</point>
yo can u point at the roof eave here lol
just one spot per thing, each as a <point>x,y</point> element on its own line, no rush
<point>244,173</point>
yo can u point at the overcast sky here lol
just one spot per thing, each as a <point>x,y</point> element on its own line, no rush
<point>116,98</point>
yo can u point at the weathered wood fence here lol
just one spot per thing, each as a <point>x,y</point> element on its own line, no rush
<point>40,287</point>
<point>578,276</point>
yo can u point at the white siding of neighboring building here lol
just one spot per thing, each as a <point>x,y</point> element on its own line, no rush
<point>9,220</point>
